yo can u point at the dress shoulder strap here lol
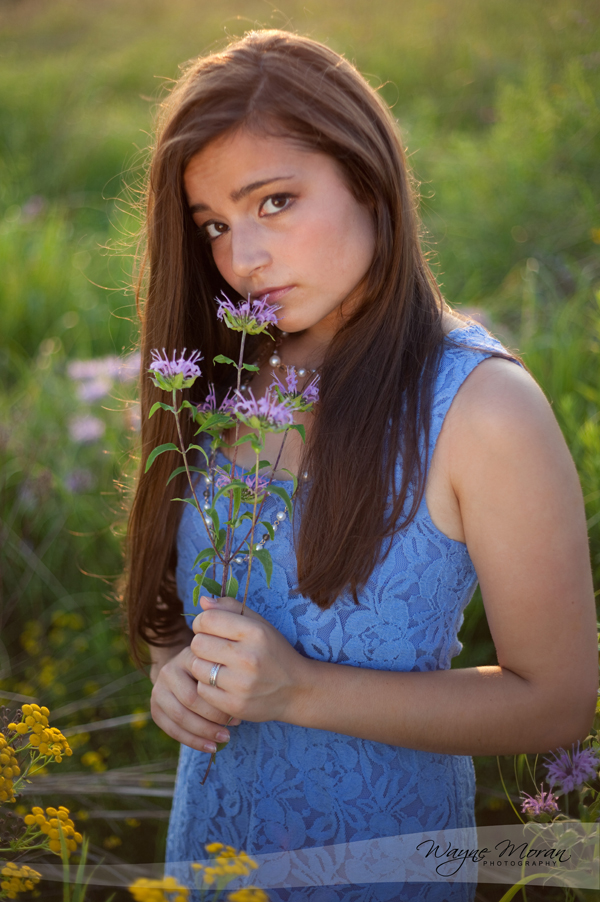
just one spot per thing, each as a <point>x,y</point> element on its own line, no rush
<point>464,349</point>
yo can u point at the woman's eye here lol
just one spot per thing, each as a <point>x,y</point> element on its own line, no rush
<point>275,203</point>
<point>214,229</point>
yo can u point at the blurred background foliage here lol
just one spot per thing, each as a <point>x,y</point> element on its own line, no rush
<point>497,101</point>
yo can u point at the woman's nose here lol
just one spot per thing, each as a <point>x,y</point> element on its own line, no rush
<point>248,249</point>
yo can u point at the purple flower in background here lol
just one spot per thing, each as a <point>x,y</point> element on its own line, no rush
<point>79,480</point>
<point>571,773</point>
<point>94,389</point>
<point>124,369</point>
<point>542,803</point>
<point>86,429</point>
<point>267,413</point>
<point>96,376</point>
<point>175,374</point>
<point>250,316</point>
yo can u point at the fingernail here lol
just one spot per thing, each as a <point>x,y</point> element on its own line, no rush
<point>222,736</point>
<point>210,747</point>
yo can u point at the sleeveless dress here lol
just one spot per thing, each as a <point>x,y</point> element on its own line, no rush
<point>281,787</point>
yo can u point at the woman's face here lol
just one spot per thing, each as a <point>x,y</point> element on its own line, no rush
<point>281,220</point>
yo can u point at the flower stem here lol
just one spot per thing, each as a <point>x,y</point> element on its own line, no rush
<point>187,470</point>
<point>273,471</point>
<point>506,791</point>
<point>254,517</point>
<point>229,534</point>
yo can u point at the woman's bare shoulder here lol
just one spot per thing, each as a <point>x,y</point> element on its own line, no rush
<point>498,396</point>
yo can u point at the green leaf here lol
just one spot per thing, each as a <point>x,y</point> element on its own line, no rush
<point>160,405</point>
<point>215,518</point>
<point>183,470</point>
<point>294,478</point>
<point>251,366</point>
<point>237,500</point>
<point>221,358</point>
<point>232,587</point>
<point>299,428</point>
<point>263,463</point>
<point>186,405</point>
<point>168,446</point>
<point>269,528</point>
<point>257,443</point>
<point>221,539</point>
<point>221,745</point>
<point>199,448</point>
<point>205,553</point>
<point>237,521</point>
<point>245,438</point>
<point>187,501</point>
<point>212,586</point>
<point>267,563</point>
<point>278,490</point>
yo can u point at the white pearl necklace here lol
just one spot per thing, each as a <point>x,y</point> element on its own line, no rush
<point>275,362</point>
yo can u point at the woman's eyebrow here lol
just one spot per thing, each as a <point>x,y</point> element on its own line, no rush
<point>243,192</point>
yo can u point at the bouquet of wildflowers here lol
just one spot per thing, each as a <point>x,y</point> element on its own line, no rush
<point>235,538</point>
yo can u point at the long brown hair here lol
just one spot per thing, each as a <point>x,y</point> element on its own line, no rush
<point>376,380</point>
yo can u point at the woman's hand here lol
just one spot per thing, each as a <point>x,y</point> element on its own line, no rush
<point>179,710</point>
<point>261,675</point>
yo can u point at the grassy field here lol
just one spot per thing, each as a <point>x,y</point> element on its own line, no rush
<point>498,105</point>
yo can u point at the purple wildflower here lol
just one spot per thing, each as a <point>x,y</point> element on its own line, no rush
<point>267,413</point>
<point>97,375</point>
<point>311,392</point>
<point>297,400</point>
<point>250,316</point>
<point>94,389</point>
<point>86,429</point>
<point>259,485</point>
<point>173,375</point>
<point>542,803</point>
<point>571,773</point>
<point>210,402</point>
<point>79,480</point>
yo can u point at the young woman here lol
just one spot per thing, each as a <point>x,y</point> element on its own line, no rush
<point>432,460</point>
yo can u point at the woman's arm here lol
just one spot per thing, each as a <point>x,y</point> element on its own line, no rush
<point>523,518</point>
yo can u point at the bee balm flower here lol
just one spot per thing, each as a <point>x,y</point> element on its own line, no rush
<point>173,375</point>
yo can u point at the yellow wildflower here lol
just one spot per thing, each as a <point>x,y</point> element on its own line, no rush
<point>165,890</point>
<point>18,878</point>
<point>94,760</point>
<point>112,842</point>
<point>52,823</point>
<point>49,741</point>
<point>9,769</point>
<point>214,847</point>
<point>248,894</point>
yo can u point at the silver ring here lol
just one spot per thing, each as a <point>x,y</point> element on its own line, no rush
<point>213,675</point>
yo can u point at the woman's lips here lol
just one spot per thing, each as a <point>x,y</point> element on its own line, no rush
<point>273,294</point>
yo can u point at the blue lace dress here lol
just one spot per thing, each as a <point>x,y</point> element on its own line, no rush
<point>280,787</point>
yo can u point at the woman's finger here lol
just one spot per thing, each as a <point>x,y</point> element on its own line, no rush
<point>183,725</point>
<point>178,680</point>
